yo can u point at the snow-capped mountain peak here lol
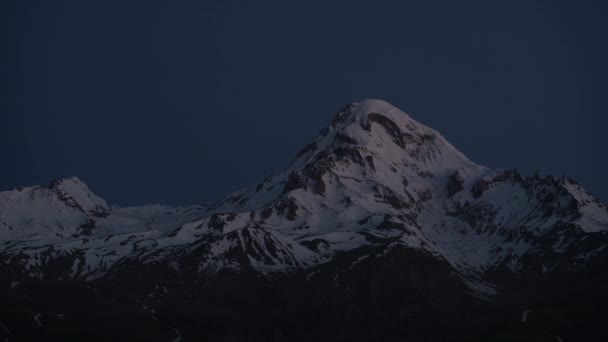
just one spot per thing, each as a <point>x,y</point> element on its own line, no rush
<point>75,193</point>
<point>67,207</point>
<point>373,177</point>
<point>378,208</point>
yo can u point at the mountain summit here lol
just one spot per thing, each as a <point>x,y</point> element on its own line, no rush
<point>378,221</point>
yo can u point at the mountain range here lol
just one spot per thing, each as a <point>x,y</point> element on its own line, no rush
<point>378,230</point>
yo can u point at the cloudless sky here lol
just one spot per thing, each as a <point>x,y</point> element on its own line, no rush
<point>185,101</point>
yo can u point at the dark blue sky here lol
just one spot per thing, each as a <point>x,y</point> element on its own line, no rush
<point>184,101</point>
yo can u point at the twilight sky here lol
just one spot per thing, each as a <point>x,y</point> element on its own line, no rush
<point>185,101</point>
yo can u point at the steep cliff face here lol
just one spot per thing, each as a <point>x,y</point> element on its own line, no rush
<point>379,211</point>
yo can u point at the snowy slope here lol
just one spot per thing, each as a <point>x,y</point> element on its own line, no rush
<point>56,211</point>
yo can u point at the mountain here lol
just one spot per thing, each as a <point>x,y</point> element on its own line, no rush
<point>378,230</point>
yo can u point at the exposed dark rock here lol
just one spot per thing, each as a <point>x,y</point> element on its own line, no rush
<point>320,186</point>
<point>388,224</point>
<point>425,195</point>
<point>370,162</point>
<point>287,207</point>
<point>342,138</point>
<point>316,245</point>
<point>428,137</point>
<point>266,213</point>
<point>308,148</point>
<point>350,153</point>
<point>482,185</point>
<point>88,226</point>
<point>235,199</point>
<point>391,128</point>
<point>342,114</point>
<point>365,220</point>
<point>216,222</point>
<point>316,170</point>
<point>455,184</point>
<point>425,174</point>
<point>294,181</point>
<point>98,211</point>
<point>391,197</point>
<point>243,200</point>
